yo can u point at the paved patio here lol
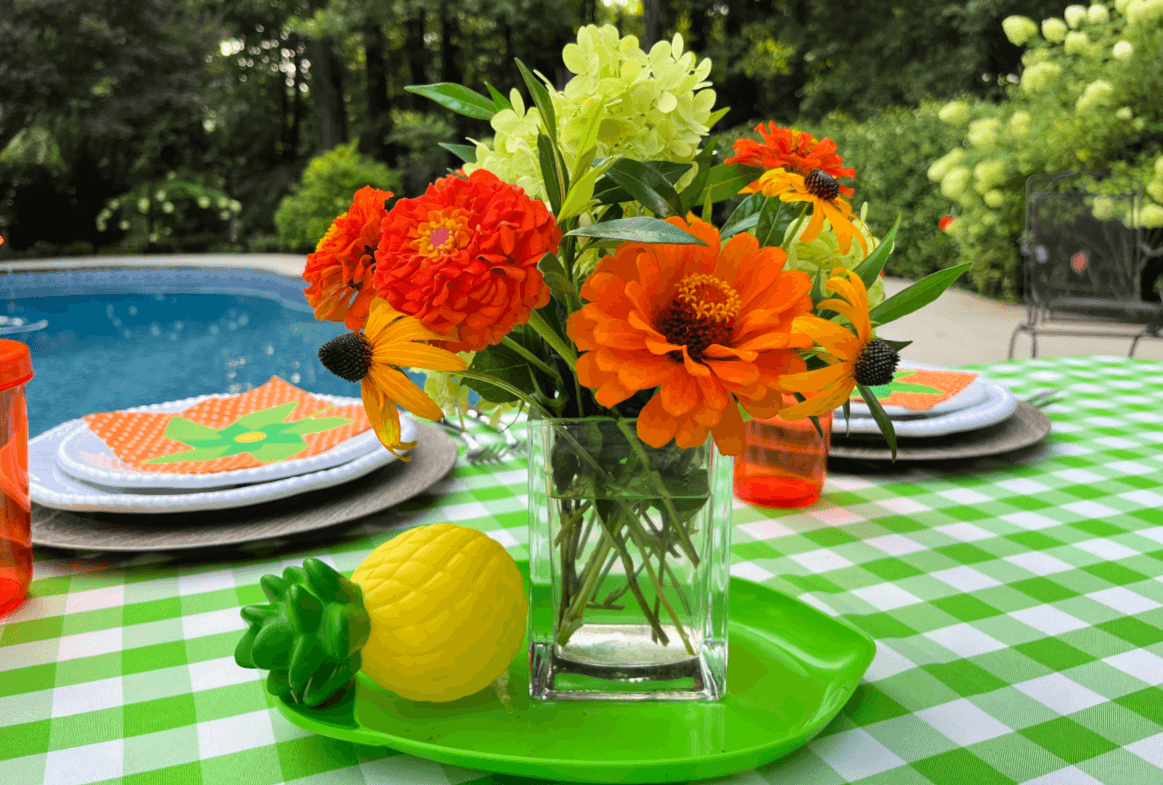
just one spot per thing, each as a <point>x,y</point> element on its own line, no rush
<point>960,328</point>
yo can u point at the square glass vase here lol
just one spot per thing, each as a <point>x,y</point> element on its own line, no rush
<point>629,564</point>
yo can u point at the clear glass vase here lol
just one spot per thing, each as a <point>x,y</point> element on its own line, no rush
<point>629,564</point>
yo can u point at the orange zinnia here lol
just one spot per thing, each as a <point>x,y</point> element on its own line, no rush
<point>463,258</point>
<point>822,192</point>
<point>796,151</point>
<point>341,269</point>
<point>851,356</point>
<point>708,326</point>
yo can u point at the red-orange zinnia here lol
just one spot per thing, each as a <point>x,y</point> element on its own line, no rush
<point>707,326</point>
<point>795,151</point>
<point>341,269</point>
<point>463,258</point>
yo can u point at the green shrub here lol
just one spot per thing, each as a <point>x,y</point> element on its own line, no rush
<point>172,215</point>
<point>418,137</point>
<point>1087,99</point>
<point>326,192</point>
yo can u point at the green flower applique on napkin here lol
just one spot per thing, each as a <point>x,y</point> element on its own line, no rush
<point>882,391</point>
<point>263,434</point>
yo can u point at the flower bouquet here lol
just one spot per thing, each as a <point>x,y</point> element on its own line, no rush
<point>573,269</point>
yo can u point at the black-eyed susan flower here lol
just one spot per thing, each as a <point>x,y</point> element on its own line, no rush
<point>822,192</point>
<point>374,357</point>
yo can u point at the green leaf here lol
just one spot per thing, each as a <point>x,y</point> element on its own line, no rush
<point>671,171</point>
<point>768,230</point>
<point>645,185</point>
<point>581,192</point>
<point>896,345</point>
<point>693,193</point>
<point>269,453</point>
<point>465,152</point>
<point>716,116</point>
<point>587,145</point>
<point>506,365</point>
<point>457,98</point>
<point>555,275</point>
<point>882,420</point>
<point>746,216</point>
<point>541,100</point>
<point>818,289</point>
<point>726,181</point>
<point>549,172</point>
<point>870,268</point>
<point>264,417</point>
<point>642,229</point>
<point>189,432</point>
<point>916,296</point>
<point>499,101</point>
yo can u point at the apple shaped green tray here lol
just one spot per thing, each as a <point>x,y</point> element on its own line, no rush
<point>791,668</point>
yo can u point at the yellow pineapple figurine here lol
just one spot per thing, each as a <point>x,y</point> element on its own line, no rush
<point>434,614</point>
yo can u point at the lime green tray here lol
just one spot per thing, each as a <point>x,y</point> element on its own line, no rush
<point>791,668</point>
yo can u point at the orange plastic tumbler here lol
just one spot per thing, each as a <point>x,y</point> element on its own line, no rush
<point>15,509</point>
<point>784,462</point>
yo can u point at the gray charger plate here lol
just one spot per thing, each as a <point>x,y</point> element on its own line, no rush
<point>432,458</point>
<point>1026,427</point>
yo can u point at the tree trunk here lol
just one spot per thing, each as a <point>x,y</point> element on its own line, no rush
<point>374,141</point>
<point>414,46</point>
<point>327,89</point>
<point>449,72</point>
<point>651,23</point>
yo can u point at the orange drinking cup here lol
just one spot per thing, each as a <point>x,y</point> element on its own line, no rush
<point>15,508</point>
<point>784,462</point>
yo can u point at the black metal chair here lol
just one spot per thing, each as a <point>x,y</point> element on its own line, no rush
<point>1084,267</point>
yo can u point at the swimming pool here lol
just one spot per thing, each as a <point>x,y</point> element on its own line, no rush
<point>107,339</point>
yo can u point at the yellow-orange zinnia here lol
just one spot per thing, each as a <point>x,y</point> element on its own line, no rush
<point>791,187</point>
<point>707,326</point>
<point>843,349</point>
<point>397,340</point>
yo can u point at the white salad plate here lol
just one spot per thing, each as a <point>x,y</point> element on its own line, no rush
<point>971,395</point>
<point>998,405</point>
<point>50,486</point>
<point>82,454</point>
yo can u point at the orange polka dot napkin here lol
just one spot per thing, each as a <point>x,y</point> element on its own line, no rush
<point>917,389</point>
<point>274,422</point>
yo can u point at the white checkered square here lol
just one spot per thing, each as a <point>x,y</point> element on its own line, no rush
<point>1141,664</point>
<point>234,734</point>
<point>750,571</point>
<point>965,532</point>
<point>820,560</point>
<point>1048,620</point>
<point>902,505</point>
<point>964,496</point>
<point>1031,521</point>
<point>1090,509</point>
<point>1149,749</point>
<point>853,754</point>
<point>95,599</point>
<point>965,579</point>
<point>1124,600</point>
<point>1067,776</point>
<point>88,644</point>
<point>885,596</point>
<point>895,544</point>
<point>80,765</point>
<point>222,672</point>
<point>767,529</point>
<point>963,722</point>
<point>964,640</point>
<point>1060,693</point>
<point>1106,549</point>
<point>1079,476</point>
<point>89,696</point>
<point>1023,486</point>
<point>1038,563</point>
<point>888,662</point>
<point>201,582</point>
<point>212,623</point>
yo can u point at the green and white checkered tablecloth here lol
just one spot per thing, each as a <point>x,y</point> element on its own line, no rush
<point>1018,613</point>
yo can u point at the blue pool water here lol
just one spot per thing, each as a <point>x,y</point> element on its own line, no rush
<point>119,338</point>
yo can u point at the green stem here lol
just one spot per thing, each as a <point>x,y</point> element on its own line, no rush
<point>518,393</point>
<point>538,323</point>
<point>795,222</point>
<point>532,359</point>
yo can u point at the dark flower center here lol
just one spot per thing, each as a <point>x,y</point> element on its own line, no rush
<point>822,185</point>
<point>876,363</point>
<point>702,312</point>
<point>349,356</point>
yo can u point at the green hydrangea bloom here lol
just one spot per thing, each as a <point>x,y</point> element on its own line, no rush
<point>1019,123</point>
<point>1074,14</point>
<point>1123,50</point>
<point>1077,43</point>
<point>655,106</point>
<point>1098,15</point>
<point>1039,76</point>
<point>983,134</point>
<point>1097,93</point>
<point>939,168</point>
<point>954,112</point>
<point>1019,29</point>
<point>955,181</point>
<point>1054,29</point>
<point>823,254</point>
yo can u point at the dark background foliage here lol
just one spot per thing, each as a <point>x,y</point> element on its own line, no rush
<point>100,99</point>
